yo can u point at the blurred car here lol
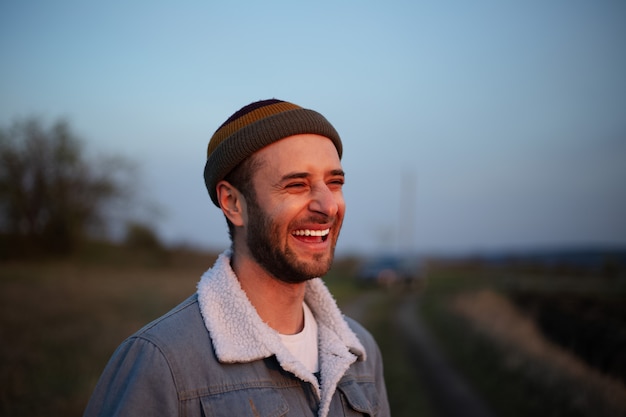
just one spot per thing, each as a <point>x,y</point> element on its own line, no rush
<point>387,271</point>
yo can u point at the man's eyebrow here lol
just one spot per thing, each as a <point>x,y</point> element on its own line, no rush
<point>294,176</point>
<point>301,175</point>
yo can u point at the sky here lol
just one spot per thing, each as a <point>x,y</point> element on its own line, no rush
<point>467,126</point>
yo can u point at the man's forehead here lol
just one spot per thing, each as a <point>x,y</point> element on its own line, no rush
<point>300,154</point>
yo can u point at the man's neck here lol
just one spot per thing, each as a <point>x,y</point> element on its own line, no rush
<point>278,303</point>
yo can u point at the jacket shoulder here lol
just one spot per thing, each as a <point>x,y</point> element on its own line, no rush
<point>182,326</point>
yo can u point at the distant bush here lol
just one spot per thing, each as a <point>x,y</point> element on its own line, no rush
<point>141,236</point>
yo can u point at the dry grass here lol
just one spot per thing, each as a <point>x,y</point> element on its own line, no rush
<point>524,346</point>
<point>59,324</point>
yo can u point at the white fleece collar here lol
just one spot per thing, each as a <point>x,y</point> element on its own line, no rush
<point>240,335</point>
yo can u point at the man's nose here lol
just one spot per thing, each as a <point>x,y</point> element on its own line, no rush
<point>324,201</point>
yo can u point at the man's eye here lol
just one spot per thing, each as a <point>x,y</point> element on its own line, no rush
<point>296,185</point>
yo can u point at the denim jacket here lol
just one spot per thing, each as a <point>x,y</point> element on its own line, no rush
<point>212,355</point>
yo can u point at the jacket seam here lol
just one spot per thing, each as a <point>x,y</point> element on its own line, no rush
<point>222,389</point>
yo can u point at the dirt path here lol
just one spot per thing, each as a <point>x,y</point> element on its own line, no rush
<point>450,395</point>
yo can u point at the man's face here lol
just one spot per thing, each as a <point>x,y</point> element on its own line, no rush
<point>294,222</point>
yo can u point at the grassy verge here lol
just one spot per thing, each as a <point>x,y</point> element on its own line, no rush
<point>408,396</point>
<point>512,384</point>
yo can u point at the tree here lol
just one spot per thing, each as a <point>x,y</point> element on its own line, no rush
<point>143,237</point>
<point>52,196</point>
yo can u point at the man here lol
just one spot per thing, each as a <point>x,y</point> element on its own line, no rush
<point>262,336</point>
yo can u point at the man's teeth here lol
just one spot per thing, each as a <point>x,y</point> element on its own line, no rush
<point>308,232</point>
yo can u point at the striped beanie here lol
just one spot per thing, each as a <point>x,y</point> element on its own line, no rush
<point>254,127</point>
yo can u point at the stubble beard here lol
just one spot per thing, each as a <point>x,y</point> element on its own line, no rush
<point>263,241</point>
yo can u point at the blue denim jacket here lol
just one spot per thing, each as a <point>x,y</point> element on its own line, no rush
<point>171,367</point>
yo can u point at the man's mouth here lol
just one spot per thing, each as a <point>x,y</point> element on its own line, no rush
<point>310,234</point>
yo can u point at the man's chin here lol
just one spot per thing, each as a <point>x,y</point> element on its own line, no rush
<point>319,266</point>
<point>293,264</point>
<point>304,271</point>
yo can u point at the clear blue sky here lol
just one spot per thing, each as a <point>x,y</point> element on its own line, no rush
<point>509,117</point>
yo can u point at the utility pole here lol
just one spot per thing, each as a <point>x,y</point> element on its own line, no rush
<point>407,213</point>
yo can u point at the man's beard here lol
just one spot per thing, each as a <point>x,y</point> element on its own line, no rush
<point>265,245</point>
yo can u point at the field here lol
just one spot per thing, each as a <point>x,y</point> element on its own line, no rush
<point>491,324</point>
<point>60,322</point>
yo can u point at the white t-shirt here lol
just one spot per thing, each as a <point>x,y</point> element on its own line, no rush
<point>303,345</point>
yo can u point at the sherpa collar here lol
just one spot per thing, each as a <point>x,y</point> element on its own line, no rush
<point>240,335</point>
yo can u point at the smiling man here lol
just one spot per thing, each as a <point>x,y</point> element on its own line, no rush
<point>262,335</point>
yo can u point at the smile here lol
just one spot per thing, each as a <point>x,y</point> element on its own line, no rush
<point>309,232</point>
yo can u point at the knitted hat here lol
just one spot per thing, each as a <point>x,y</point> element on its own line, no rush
<point>255,126</point>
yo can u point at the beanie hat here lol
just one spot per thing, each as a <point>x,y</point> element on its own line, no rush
<point>255,126</point>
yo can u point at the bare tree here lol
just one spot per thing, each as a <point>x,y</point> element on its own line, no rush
<point>51,194</point>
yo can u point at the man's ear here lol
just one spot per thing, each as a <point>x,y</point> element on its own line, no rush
<point>231,202</point>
